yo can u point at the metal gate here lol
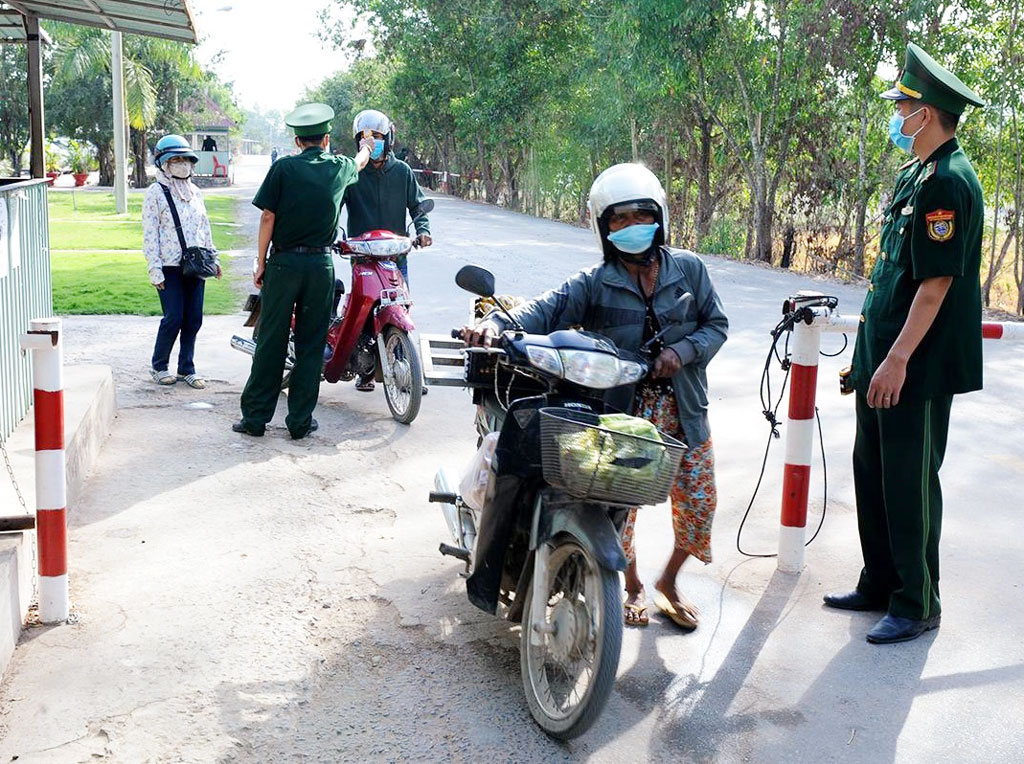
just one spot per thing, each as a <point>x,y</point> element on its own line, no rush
<point>25,290</point>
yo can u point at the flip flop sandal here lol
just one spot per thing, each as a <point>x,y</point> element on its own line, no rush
<point>635,615</point>
<point>679,617</point>
<point>162,377</point>
<point>193,380</point>
<point>365,387</point>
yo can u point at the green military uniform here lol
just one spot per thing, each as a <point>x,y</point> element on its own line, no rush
<point>304,192</point>
<point>932,228</point>
<point>380,200</point>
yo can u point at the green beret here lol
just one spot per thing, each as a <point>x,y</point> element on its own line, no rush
<point>310,119</point>
<point>925,79</point>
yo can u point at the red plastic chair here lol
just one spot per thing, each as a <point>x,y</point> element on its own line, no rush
<point>217,165</point>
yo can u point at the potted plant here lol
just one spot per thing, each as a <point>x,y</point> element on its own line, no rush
<point>81,158</point>
<point>52,161</point>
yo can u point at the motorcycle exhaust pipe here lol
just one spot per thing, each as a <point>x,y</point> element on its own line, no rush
<point>445,484</point>
<point>245,345</point>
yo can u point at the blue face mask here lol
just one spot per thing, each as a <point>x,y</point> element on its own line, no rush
<point>634,239</point>
<point>905,142</point>
<point>378,148</point>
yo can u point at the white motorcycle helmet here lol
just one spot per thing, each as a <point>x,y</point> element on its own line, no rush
<point>378,122</point>
<point>626,186</point>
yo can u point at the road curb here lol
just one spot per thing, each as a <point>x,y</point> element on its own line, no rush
<point>89,409</point>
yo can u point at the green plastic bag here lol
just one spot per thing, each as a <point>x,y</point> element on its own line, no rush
<point>611,460</point>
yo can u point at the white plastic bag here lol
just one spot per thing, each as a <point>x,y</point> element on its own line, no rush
<point>473,487</point>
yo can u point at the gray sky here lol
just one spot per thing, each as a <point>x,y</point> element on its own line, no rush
<point>270,48</point>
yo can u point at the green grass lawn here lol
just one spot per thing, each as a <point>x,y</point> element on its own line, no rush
<point>115,280</point>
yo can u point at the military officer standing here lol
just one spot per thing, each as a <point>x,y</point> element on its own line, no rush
<point>301,199</point>
<point>919,344</point>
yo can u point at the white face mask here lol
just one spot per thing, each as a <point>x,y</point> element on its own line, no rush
<point>181,170</point>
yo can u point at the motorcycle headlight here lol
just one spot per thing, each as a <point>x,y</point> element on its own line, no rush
<point>399,245</point>
<point>545,359</point>
<point>598,371</point>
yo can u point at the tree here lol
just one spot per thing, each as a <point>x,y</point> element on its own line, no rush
<point>14,125</point>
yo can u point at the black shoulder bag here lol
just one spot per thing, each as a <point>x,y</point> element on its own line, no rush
<point>199,262</point>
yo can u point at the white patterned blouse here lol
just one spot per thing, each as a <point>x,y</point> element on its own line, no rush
<point>159,239</point>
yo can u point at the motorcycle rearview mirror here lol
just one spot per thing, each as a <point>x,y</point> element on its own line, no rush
<point>480,282</point>
<point>421,209</point>
<point>476,280</point>
<point>683,299</point>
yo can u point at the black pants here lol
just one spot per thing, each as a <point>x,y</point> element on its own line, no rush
<point>896,461</point>
<point>182,303</point>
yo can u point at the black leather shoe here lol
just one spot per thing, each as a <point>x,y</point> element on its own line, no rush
<point>893,628</point>
<point>313,427</point>
<point>240,426</point>
<point>854,601</point>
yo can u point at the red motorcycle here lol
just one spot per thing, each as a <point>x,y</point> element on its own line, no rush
<point>371,336</point>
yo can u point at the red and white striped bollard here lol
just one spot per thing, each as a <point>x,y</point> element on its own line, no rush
<point>44,340</point>
<point>796,474</point>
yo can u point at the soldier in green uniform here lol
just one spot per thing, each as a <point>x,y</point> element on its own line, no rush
<point>919,344</point>
<point>301,199</point>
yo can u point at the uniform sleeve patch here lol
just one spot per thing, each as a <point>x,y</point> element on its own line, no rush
<point>940,225</point>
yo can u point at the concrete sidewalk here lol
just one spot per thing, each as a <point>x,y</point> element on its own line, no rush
<point>89,408</point>
<point>269,600</point>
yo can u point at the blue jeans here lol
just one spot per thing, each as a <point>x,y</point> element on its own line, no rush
<point>182,303</point>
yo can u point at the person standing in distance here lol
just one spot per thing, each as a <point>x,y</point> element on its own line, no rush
<point>301,200</point>
<point>387,188</point>
<point>919,344</point>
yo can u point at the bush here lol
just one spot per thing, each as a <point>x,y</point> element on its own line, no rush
<point>81,156</point>
<point>727,237</point>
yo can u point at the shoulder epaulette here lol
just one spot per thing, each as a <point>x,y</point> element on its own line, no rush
<point>907,164</point>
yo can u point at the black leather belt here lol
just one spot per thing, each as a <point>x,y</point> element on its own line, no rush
<point>302,250</point>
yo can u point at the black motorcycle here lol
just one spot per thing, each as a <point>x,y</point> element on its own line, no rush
<point>542,547</point>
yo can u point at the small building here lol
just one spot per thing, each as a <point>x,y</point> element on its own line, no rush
<point>211,140</point>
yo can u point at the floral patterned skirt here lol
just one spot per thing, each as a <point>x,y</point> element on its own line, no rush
<point>693,495</point>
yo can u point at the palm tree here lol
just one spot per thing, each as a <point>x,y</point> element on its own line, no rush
<point>151,66</point>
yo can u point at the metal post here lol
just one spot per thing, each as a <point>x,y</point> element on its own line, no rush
<point>799,446</point>
<point>35,97</point>
<point>44,340</point>
<point>120,162</point>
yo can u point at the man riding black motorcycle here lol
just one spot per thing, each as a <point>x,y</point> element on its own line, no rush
<point>643,289</point>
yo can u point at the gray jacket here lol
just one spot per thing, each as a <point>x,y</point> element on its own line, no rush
<point>606,300</point>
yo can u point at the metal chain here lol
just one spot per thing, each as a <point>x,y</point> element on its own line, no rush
<point>10,472</point>
<point>21,500</point>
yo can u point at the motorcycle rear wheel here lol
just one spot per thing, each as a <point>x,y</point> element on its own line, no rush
<point>568,679</point>
<point>403,387</point>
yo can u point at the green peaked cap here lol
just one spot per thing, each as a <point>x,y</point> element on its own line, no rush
<point>925,79</point>
<point>310,119</point>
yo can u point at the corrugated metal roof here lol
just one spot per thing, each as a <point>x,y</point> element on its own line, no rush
<point>154,18</point>
<point>12,28</point>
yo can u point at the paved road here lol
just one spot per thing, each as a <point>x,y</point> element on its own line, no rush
<point>264,600</point>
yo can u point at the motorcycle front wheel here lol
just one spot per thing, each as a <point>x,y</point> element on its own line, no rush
<point>568,678</point>
<point>403,375</point>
